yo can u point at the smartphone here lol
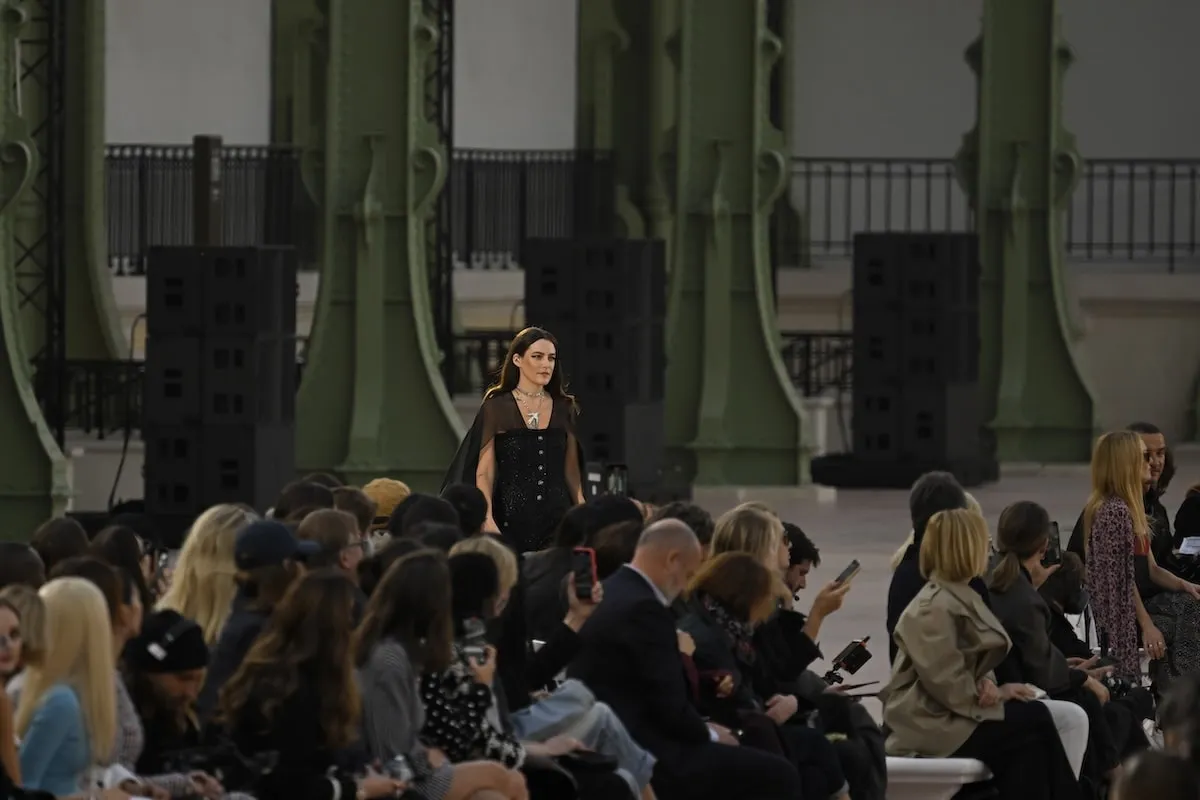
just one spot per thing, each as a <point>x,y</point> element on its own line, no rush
<point>583,565</point>
<point>849,572</point>
<point>851,686</point>
<point>474,641</point>
<point>1053,548</point>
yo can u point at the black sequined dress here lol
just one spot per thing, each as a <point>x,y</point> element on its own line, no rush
<point>537,470</point>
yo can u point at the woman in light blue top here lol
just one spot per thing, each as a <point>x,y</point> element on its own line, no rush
<point>67,710</point>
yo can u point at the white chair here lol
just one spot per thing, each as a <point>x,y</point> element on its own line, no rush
<point>932,778</point>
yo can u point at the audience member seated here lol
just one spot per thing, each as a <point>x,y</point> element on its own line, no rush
<point>300,496</point>
<point>268,558</point>
<point>408,630</point>
<point>615,546</point>
<point>10,642</point>
<point>387,494</point>
<point>20,564</point>
<point>330,482</point>
<point>544,573</point>
<point>690,514</point>
<point>437,535</point>
<point>1022,539</point>
<point>356,503</point>
<point>468,714</point>
<point>31,613</point>
<point>1154,775</point>
<point>1179,719</point>
<point>631,660</point>
<point>120,547</point>
<point>942,699</point>
<point>66,712</point>
<point>294,702</point>
<point>204,583</point>
<point>471,505</point>
<point>372,570</point>
<point>898,556</point>
<point>933,492</point>
<point>163,671</point>
<point>57,540</point>
<point>418,509</point>
<point>732,595</point>
<point>335,533</point>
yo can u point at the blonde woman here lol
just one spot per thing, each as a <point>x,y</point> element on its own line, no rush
<point>205,580</point>
<point>753,528</point>
<point>67,711</point>
<point>32,613</point>
<point>942,699</point>
<point>1116,538</point>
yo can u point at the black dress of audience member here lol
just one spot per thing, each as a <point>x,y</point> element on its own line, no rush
<point>933,492</point>
<point>294,703</point>
<point>522,451</point>
<point>1022,538</point>
<point>267,555</point>
<point>631,661</point>
<point>732,594</point>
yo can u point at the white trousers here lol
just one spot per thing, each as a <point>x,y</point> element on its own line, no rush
<point>1072,724</point>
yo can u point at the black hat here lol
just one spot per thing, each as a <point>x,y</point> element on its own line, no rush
<point>169,642</point>
<point>266,543</point>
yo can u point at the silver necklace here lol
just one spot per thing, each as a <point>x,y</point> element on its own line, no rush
<point>532,417</point>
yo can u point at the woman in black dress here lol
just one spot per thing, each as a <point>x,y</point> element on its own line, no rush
<point>522,452</point>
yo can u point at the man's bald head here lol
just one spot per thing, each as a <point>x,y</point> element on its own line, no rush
<point>668,534</point>
<point>668,553</point>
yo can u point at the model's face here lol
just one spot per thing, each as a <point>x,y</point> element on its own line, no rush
<point>537,365</point>
<point>1147,468</point>
<point>1156,448</point>
<point>10,643</point>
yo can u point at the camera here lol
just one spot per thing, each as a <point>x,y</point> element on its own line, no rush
<point>850,660</point>
<point>1116,685</point>
<point>474,640</point>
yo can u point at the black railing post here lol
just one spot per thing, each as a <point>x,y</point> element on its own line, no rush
<point>208,194</point>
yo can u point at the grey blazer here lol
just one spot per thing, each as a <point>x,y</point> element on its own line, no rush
<point>1026,619</point>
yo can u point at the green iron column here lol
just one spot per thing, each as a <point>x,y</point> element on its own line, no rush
<point>33,474</point>
<point>679,90</point>
<point>92,322</point>
<point>373,402</point>
<point>1019,166</point>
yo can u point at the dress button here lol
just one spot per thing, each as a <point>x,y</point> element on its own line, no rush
<point>541,467</point>
<point>541,452</point>
<point>539,438</point>
<point>539,497</point>
<point>540,483</point>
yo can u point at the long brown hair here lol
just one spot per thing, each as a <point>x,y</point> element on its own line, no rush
<point>510,374</point>
<point>310,632</point>
<point>1117,472</point>
<point>1023,531</point>
<point>740,582</point>
<point>412,605</point>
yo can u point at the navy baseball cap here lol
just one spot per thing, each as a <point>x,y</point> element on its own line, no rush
<point>266,543</point>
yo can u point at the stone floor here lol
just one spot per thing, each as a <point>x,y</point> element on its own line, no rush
<point>871,525</point>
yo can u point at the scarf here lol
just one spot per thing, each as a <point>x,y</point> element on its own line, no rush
<point>742,633</point>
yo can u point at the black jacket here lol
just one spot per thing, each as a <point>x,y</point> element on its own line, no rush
<point>1026,618</point>
<point>715,657</point>
<point>543,575</point>
<point>241,629</point>
<point>630,659</point>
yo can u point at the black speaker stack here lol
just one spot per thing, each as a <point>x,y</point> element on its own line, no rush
<point>220,382</point>
<point>605,301</point>
<point>916,400</point>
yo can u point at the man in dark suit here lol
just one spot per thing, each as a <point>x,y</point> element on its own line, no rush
<point>630,659</point>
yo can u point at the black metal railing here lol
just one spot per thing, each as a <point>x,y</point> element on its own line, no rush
<point>1136,210</point>
<point>149,201</point>
<point>1123,209</point>
<point>500,198</point>
<point>818,361</point>
<point>478,358</point>
<point>838,198</point>
<point>104,398</point>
